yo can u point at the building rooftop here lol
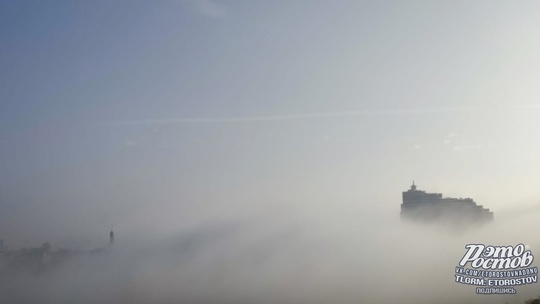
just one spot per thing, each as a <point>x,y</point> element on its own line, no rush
<point>421,206</point>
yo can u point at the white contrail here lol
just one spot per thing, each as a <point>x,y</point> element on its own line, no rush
<point>288,116</point>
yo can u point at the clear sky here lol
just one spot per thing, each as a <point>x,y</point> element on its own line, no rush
<point>154,115</point>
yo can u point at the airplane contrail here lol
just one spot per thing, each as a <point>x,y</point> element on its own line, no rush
<point>187,120</point>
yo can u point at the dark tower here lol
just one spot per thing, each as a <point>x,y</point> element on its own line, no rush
<point>111,237</point>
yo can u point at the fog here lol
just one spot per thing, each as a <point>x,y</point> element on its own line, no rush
<point>314,256</point>
<point>256,151</point>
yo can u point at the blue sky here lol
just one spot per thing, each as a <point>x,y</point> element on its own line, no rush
<point>125,112</point>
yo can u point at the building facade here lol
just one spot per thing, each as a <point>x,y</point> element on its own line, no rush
<point>421,206</point>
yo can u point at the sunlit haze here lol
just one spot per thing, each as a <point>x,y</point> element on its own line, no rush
<point>257,151</point>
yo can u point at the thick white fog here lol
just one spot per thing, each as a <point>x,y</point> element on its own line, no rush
<point>280,256</point>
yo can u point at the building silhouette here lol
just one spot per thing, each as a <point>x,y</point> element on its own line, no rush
<point>421,206</point>
<point>44,258</point>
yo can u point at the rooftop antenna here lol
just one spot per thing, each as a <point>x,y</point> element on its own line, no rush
<point>413,187</point>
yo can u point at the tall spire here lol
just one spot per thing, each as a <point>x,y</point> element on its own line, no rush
<point>111,237</point>
<point>413,187</point>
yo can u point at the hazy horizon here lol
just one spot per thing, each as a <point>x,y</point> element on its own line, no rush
<point>301,120</point>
